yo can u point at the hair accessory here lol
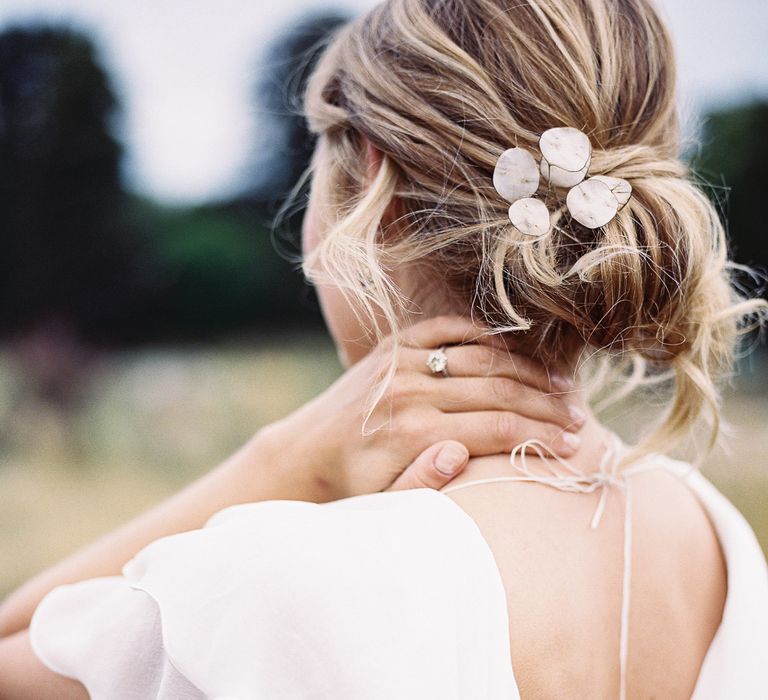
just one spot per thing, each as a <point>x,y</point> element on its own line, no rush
<point>566,154</point>
<point>530,216</point>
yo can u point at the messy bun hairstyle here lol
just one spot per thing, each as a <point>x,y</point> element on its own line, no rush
<point>441,88</point>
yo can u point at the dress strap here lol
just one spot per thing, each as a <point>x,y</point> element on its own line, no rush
<point>626,579</point>
<point>562,475</point>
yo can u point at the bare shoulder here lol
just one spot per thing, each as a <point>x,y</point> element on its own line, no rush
<point>666,506</point>
<point>563,581</point>
<point>677,547</point>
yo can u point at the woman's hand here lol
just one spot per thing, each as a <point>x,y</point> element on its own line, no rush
<point>491,402</point>
<point>425,426</point>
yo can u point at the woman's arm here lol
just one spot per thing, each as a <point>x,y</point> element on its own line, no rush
<point>244,477</point>
<point>491,402</point>
<point>23,676</point>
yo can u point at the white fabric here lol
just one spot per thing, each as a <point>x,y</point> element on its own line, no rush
<point>393,595</point>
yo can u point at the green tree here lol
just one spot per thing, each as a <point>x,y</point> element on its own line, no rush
<point>733,160</point>
<point>214,272</point>
<point>68,254</point>
<point>284,145</point>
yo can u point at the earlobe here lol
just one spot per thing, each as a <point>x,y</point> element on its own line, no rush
<point>373,158</point>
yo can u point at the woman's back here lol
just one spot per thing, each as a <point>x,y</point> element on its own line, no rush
<point>563,583</point>
<point>416,594</point>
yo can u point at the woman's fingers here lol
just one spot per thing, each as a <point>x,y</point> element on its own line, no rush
<point>494,432</point>
<point>441,330</point>
<point>481,360</point>
<point>475,352</point>
<point>462,394</point>
<point>434,467</point>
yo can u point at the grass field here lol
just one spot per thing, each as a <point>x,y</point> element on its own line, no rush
<point>147,422</point>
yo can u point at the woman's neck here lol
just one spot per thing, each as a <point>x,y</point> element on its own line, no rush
<point>595,441</point>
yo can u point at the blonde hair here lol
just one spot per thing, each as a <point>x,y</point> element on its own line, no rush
<point>441,88</point>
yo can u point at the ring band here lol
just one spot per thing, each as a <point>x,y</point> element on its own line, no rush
<point>438,361</point>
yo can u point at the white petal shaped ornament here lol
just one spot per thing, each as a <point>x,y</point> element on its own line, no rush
<point>592,203</point>
<point>621,189</point>
<point>565,155</point>
<point>516,175</point>
<point>530,216</point>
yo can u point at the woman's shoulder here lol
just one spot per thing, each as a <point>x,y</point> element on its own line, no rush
<point>698,528</point>
<point>735,663</point>
<point>732,528</point>
<point>320,553</point>
<point>372,596</point>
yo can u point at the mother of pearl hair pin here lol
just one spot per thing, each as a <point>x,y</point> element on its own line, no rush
<point>566,154</point>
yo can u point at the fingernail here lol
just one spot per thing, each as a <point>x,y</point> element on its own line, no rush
<point>449,459</point>
<point>570,440</point>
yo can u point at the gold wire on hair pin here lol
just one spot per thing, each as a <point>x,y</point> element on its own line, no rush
<point>566,155</point>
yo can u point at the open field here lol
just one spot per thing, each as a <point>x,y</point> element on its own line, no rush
<point>147,422</point>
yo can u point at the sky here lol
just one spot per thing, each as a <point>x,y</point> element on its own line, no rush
<point>185,70</point>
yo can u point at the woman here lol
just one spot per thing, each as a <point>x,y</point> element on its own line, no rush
<point>619,572</point>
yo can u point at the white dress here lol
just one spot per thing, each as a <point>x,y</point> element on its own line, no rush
<point>376,597</point>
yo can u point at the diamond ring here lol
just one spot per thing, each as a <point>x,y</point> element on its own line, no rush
<point>438,361</point>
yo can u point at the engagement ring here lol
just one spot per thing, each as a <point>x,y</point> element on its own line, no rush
<point>438,362</point>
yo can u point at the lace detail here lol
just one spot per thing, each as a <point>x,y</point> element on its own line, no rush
<point>564,476</point>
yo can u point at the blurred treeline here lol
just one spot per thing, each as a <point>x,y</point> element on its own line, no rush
<point>86,259</point>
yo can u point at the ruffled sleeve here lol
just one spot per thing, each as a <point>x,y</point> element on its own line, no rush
<point>392,595</point>
<point>107,635</point>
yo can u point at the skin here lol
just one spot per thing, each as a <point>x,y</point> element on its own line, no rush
<point>562,579</point>
<point>316,454</point>
<point>559,597</point>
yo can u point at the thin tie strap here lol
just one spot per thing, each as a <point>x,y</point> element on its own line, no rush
<point>572,479</point>
<point>625,591</point>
